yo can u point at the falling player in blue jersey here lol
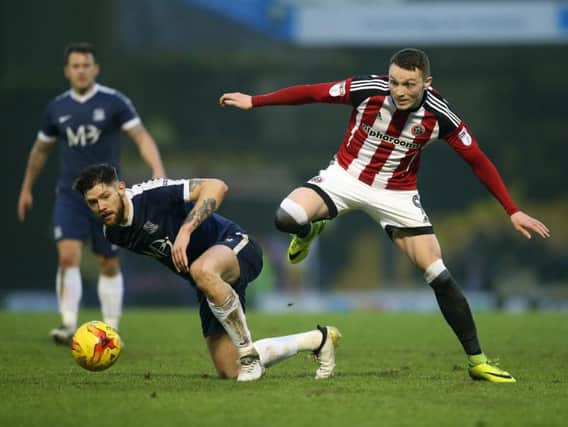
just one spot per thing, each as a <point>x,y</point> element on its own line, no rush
<point>174,222</point>
<point>85,122</point>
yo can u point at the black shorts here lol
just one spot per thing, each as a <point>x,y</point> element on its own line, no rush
<point>249,256</point>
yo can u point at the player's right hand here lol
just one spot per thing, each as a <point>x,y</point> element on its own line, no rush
<point>236,99</point>
<point>25,203</point>
<point>179,250</point>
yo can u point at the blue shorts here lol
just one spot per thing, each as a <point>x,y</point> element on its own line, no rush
<point>72,219</point>
<point>249,256</point>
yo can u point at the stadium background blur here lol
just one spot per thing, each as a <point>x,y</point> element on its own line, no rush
<point>175,58</point>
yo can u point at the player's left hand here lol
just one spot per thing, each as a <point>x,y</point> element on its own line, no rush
<point>523,223</point>
<point>236,99</point>
<point>179,254</point>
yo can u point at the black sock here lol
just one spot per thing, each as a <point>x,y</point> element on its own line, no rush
<point>455,309</point>
<point>284,222</point>
<point>305,230</point>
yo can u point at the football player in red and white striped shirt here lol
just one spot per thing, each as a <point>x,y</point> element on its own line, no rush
<point>394,118</point>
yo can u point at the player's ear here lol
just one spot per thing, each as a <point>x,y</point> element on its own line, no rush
<point>427,82</point>
<point>121,186</point>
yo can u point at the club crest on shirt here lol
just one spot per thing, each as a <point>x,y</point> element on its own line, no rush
<point>98,115</point>
<point>417,130</point>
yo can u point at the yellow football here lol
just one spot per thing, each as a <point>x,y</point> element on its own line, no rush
<point>96,346</point>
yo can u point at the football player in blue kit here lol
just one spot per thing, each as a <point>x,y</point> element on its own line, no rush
<point>174,221</point>
<point>85,123</point>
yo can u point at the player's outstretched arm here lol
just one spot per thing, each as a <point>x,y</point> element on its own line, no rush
<point>523,223</point>
<point>36,161</point>
<point>236,99</point>
<point>148,150</point>
<point>208,195</point>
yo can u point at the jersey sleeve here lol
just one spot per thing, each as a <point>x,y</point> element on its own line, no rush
<point>126,114</point>
<point>48,131</point>
<point>366,86</point>
<point>331,92</point>
<point>465,144</point>
<point>164,191</point>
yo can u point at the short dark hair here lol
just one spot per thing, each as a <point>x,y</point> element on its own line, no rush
<point>81,47</point>
<point>411,59</point>
<point>93,175</point>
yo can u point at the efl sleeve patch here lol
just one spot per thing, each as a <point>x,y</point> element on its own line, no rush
<point>338,89</point>
<point>465,137</point>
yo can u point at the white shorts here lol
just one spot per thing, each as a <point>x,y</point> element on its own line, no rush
<point>399,209</point>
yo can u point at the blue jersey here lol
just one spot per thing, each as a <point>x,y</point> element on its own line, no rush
<point>158,208</point>
<point>87,128</point>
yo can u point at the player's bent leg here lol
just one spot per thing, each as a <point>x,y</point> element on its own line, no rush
<point>212,273</point>
<point>68,288</point>
<point>110,288</point>
<point>296,215</point>
<point>224,355</point>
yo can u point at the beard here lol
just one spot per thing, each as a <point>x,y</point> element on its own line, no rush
<point>119,216</point>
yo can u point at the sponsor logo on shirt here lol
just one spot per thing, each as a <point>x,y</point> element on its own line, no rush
<point>86,134</point>
<point>159,248</point>
<point>387,138</point>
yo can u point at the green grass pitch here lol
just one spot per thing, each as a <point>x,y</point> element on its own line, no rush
<point>394,369</point>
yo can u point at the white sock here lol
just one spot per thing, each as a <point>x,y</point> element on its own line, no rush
<point>111,291</point>
<point>232,317</point>
<point>434,270</point>
<point>277,349</point>
<point>69,289</point>
<point>295,210</point>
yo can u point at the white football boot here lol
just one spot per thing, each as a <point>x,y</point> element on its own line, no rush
<point>61,335</point>
<point>325,354</point>
<point>251,366</point>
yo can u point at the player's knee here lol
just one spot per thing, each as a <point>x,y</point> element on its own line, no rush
<point>290,220</point>
<point>108,266</point>
<point>202,275</point>
<point>68,261</point>
<point>228,374</point>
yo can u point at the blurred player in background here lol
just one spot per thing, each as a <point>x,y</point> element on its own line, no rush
<point>394,118</point>
<point>86,122</point>
<point>174,222</point>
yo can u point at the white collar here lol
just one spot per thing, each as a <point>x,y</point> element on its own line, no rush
<point>128,223</point>
<point>88,95</point>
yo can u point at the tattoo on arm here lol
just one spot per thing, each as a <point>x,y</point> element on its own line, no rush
<point>200,213</point>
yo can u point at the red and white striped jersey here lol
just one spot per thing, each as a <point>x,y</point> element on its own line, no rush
<point>382,145</point>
